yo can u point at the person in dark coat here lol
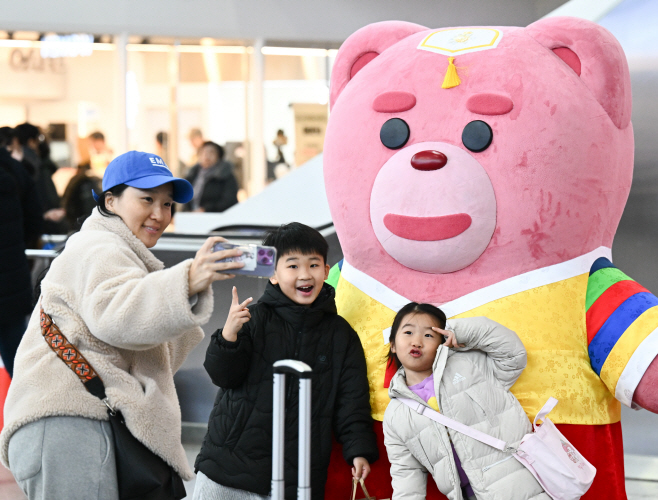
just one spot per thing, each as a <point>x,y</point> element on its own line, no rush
<point>215,185</point>
<point>78,200</point>
<point>294,319</point>
<point>53,213</point>
<point>20,224</point>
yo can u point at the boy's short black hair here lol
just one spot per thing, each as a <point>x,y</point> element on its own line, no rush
<point>296,237</point>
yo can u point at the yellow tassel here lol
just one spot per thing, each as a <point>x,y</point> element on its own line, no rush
<point>451,79</point>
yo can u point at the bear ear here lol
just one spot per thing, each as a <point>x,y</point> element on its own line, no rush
<point>362,47</point>
<point>595,56</point>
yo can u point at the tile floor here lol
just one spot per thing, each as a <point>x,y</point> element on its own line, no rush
<point>641,481</point>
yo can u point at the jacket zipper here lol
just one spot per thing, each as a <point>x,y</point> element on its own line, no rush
<point>298,346</point>
<point>485,469</point>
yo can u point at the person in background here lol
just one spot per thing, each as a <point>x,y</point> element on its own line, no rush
<point>100,155</point>
<point>279,167</point>
<point>78,201</point>
<point>161,145</point>
<point>6,137</point>
<point>279,141</point>
<point>161,148</point>
<point>24,148</point>
<point>215,185</point>
<point>196,140</point>
<point>20,224</point>
<point>53,213</point>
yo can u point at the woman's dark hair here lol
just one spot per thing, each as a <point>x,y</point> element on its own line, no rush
<point>100,202</point>
<point>411,308</point>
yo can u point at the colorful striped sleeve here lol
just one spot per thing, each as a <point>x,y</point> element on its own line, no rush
<point>334,274</point>
<point>622,328</point>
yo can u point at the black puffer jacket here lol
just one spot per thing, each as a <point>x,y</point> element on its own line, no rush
<point>20,225</point>
<point>237,450</point>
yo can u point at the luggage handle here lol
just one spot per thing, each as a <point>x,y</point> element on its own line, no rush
<point>299,368</point>
<point>304,372</point>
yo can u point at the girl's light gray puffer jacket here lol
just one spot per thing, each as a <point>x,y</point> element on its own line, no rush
<point>472,386</point>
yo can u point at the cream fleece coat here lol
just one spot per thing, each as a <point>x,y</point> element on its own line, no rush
<point>471,385</point>
<point>131,319</point>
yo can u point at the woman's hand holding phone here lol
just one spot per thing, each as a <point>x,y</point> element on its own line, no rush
<point>205,269</point>
<point>238,315</point>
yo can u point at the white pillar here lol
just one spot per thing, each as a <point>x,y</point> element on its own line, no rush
<point>174,79</point>
<point>257,165</point>
<point>120,114</point>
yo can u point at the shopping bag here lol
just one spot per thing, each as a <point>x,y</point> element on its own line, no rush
<point>355,483</point>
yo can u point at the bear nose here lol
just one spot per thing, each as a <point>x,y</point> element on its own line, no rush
<point>429,160</point>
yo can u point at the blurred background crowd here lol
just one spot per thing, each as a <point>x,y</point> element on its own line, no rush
<point>64,193</point>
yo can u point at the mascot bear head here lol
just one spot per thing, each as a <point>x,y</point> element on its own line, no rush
<point>456,158</point>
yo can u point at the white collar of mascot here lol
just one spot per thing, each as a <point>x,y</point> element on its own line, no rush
<point>510,286</point>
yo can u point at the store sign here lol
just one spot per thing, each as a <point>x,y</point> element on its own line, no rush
<point>24,74</point>
<point>77,45</point>
<point>25,60</point>
<point>310,127</point>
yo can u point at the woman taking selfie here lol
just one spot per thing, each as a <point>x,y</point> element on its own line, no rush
<point>110,321</point>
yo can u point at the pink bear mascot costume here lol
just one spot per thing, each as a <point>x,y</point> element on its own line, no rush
<point>485,170</point>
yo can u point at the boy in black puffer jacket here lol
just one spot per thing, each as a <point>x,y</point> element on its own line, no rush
<point>294,319</point>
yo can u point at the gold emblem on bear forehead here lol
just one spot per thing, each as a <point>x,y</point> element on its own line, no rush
<point>454,42</point>
<point>458,41</point>
<point>463,37</point>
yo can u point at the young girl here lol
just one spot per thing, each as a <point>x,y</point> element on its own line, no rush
<point>465,373</point>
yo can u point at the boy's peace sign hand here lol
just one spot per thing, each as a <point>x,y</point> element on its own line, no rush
<point>451,340</point>
<point>238,315</point>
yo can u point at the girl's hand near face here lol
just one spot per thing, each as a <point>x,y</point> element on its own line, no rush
<point>451,340</point>
<point>238,315</point>
<point>205,269</point>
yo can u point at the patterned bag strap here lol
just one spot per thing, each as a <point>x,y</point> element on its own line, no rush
<point>73,358</point>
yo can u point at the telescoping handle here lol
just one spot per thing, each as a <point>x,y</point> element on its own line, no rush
<point>303,371</point>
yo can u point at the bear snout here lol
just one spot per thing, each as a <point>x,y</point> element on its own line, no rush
<point>429,160</point>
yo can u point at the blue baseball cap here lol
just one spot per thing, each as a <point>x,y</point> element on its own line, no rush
<point>144,171</point>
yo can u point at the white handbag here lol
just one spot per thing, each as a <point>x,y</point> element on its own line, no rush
<point>560,469</point>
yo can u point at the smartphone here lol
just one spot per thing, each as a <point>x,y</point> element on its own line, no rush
<point>259,261</point>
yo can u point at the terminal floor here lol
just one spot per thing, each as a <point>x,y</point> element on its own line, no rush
<point>641,480</point>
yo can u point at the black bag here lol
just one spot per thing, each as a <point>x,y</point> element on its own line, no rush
<point>141,474</point>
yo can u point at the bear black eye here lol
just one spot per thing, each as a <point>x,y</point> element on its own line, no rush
<point>394,133</point>
<point>477,136</point>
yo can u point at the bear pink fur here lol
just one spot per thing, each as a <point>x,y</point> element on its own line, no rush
<point>557,98</point>
<point>559,164</point>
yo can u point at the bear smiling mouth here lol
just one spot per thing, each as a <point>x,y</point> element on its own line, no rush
<point>427,228</point>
